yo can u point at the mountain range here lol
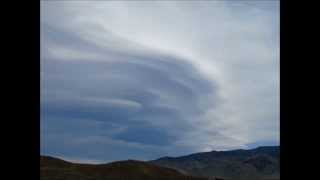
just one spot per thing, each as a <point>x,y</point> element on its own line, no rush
<point>257,164</point>
<point>262,163</point>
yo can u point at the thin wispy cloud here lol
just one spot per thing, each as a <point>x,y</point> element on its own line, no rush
<point>140,80</point>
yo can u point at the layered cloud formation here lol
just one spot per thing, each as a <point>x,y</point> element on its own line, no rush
<point>140,80</point>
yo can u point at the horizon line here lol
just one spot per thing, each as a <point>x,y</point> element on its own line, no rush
<point>100,162</point>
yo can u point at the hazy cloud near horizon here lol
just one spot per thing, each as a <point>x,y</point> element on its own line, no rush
<point>141,80</point>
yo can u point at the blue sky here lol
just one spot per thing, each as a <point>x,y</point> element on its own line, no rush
<point>140,80</point>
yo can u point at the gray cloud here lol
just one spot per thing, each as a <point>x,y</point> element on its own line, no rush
<point>141,80</point>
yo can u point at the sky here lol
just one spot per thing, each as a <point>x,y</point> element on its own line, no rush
<point>145,79</point>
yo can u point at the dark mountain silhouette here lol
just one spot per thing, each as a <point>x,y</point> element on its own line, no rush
<point>57,169</point>
<point>256,164</point>
<point>262,163</point>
